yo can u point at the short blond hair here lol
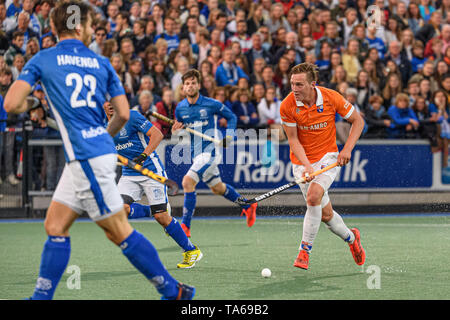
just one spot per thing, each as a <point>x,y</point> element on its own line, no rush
<point>311,70</point>
<point>161,42</point>
<point>401,96</point>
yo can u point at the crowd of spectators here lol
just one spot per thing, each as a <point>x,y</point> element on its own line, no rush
<point>396,74</point>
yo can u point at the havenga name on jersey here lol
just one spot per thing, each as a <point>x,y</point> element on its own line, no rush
<point>83,62</point>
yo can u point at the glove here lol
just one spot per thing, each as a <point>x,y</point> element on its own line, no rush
<point>140,158</point>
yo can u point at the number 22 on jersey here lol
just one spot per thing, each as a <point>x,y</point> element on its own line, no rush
<point>74,79</point>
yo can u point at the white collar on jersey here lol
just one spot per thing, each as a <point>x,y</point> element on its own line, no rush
<point>319,100</point>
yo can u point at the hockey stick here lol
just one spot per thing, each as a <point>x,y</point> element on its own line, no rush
<point>171,185</point>
<point>223,143</point>
<point>266,195</point>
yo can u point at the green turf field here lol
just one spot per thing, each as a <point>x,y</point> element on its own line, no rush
<point>411,253</point>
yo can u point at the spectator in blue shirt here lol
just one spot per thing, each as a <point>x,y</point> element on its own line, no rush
<point>426,9</point>
<point>169,35</point>
<point>14,8</point>
<point>228,72</point>
<point>405,122</point>
<point>375,42</point>
<point>244,110</point>
<point>418,59</point>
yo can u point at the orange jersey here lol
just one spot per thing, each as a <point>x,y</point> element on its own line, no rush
<point>316,128</point>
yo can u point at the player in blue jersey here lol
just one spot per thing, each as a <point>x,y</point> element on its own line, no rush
<point>138,140</point>
<point>76,81</point>
<point>200,113</point>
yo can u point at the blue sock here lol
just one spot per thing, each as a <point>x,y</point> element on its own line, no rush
<point>54,259</point>
<point>175,231</point>
<point>233,195</point>
<point>190,200</point>
<point>138,210</point>
<point>143,255</point>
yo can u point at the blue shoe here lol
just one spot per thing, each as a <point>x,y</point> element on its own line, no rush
<point>185,292</point>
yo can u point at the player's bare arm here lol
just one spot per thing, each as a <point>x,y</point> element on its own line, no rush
<point>16,98</point>
<point>298,150</point>
<point>156,137</point>
<point>121,114</point>
<point>355,132</point>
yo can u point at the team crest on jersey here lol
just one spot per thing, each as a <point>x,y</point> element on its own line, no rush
<point>320,108</point>
<point>203,113</point>
<point>297,110</point>
<point>123,133</point>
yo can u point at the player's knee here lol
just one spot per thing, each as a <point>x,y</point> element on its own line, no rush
<point>313,199</point>
<point>218,189</point>
<point>163,218</point>
<point>188,184</point>
<point>54,229</point>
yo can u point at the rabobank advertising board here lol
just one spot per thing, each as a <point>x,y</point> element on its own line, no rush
<point>376,165</point>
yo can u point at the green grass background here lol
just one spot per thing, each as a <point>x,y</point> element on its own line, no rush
<point>412,254</point>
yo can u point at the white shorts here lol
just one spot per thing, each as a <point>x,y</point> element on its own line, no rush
<point>136,186</point>
<point>325,180</point>
<point>205,168</point>
<point>89,186</point>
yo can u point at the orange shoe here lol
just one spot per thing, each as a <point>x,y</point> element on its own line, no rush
<point>358,253</point>
<point>186,230</point>
<point>250,212</point>
<point>302,260</point>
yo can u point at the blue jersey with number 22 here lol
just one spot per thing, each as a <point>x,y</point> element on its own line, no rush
<point>76,82</point>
